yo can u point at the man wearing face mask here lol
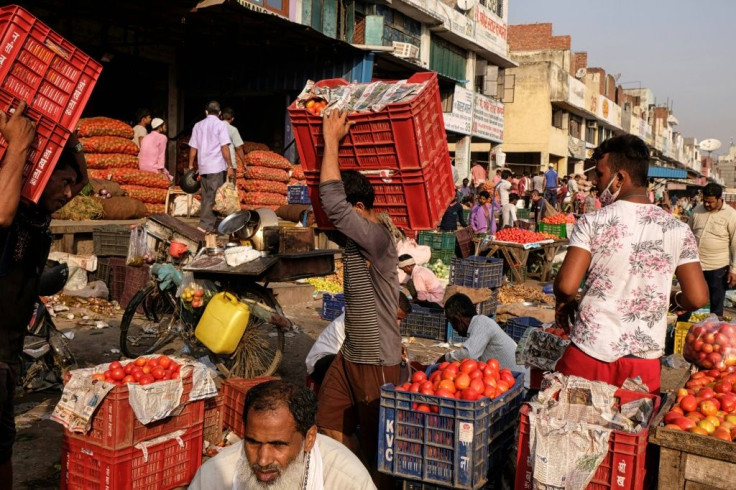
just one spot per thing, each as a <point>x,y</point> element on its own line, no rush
<point>629,251</point>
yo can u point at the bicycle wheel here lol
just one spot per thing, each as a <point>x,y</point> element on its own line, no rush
<point>262,347</point>
<point>145,333</point>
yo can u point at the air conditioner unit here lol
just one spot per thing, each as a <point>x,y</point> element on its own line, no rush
<point>591,124</point>
<point>405,50</point>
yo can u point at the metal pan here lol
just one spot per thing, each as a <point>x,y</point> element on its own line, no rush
<point>234,222</point>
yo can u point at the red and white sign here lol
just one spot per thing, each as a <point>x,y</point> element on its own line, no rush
<point>488,118</point>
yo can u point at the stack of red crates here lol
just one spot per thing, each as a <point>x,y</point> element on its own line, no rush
<point>54,77</point>
<point>629,464</point>
<point>233,394</point>
<point>401,149</point>
<point>106,456</point>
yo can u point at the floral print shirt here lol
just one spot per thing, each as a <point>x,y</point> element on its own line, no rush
<point>635,249</point>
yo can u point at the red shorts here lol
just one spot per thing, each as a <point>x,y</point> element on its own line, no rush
<point>577,363</point>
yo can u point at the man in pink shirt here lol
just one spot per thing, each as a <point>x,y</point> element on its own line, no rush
<point>152,157</point>
<point>424,285</point>
<point>478,175</point>
<point>210,147</point>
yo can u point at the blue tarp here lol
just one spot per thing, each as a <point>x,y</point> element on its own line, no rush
<point>657,172</point>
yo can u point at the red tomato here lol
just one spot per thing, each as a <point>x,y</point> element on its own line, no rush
<point>146,380</point>
<point>146,369</point>
<point>176,376</point>
<point>689,403</point>
<point>115,365</point>
<point>423,407</point>
<point>129,379</point>
<point>153,363</point>
<point>98,377</point>
<point>477,385</point>
<point>443,365</point>
<point>129,368</point>
<point>470,394</point>
<point>444,393</point>
<point>158,373</point>
<point>502,387</point>
<point>476,374</point>
<point>449,374</point>
<point>137,375</point>
<point>490,392</point>
<point>414,388</point>
<point>141,361</point>
<point>117,374</point>
<point>462,381</point>
<point>167,375</point>
<point>419,377</point>
<point>468,366</point>
<point>164,362</point>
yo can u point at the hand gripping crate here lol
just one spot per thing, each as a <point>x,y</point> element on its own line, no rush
<point>233,394</point>
<point>170,463</point>
<point>626,465</point>
<point>402,149</point>
<point>449,446</point>
<point>114,425</point>
<point>54,77</point>
<point>333,305</point>
<point>477,272</point>
<point>428,323</point>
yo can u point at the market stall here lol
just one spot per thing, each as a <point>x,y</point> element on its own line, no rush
<point>517,254</point>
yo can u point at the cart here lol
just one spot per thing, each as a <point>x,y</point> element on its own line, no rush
<point>517,255</point>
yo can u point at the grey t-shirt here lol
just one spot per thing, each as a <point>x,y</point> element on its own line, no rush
<point>235,141</point>
<point>370,281</point>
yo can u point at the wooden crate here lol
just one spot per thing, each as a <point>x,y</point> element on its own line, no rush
<point>691,461</point>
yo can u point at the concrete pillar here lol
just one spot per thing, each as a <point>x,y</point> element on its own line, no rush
<point>425,45</point>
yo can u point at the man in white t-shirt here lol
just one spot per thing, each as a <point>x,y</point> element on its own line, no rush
<point>237,155</point>
<point>508,211</point>
<point>629,251</point>
<point>281,448</point>
<point>144,118</point>
<point>503,188</point>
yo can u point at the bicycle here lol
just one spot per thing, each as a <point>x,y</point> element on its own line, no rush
<point>155,318</point>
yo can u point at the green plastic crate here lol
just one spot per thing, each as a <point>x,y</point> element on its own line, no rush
<point>523,213</point>
<point>558,230</point>
<point>437,240</point>
<point>445,256</point>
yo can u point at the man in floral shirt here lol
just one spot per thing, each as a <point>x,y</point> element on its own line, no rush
<point>629,250</point>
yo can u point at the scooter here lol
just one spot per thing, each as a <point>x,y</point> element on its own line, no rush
<point>46,355</point>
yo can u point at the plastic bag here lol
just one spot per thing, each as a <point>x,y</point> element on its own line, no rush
<point>77,279</point>
<point>138,252</point>
<point>711,344</point>
<point>195,294</point>
<point>95,289</point>
<point>226,199</point>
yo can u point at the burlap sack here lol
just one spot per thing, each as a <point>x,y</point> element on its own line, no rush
<point>110,186</point>
<point>123,208</point>
<point>549,209</point>
<point>476,295</point>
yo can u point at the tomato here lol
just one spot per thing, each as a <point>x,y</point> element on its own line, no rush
<point>419,377</point>
<point>502,387</point>
<point>462,381</point>
<point>490,392</point>
<point>175,375</point>
<point>146,369</point>
<point>117,374</point>
<point>476,374</point>
<point>670,417</point>
<point>449,374</point>
<point>722,387</point>
<point>444,393</point>
<point>477,385</point>
<point>137,375</point>
<point>448,385</point>
<point>141,361</point>
<point>689,403</point>
<point>414,388</point>
<point>158,373</point>
<point>98,377</point>
<point>708,407</point>
<point>146,380</point>
<point>423,407</point>
<point>722,434</point>
<point>164,362</point>
<point>129,379</point>
<point>167,375</point>
<point>706,426</point>
<point>468,366</point>
<point>470,394</point>
<point>129,368</point>
<point>443,366</point>
<point>684,423</point>
<point>508,378</point>
<point>672,427</point>
<point>115,365</point>
<point>153,363</point>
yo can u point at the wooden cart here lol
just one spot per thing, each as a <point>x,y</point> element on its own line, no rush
<point>691,461</point>
<point>517,255</point>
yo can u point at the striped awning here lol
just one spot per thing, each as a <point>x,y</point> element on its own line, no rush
<point>657,172</point>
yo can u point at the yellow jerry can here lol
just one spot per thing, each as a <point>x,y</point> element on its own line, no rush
<point>223,323</point>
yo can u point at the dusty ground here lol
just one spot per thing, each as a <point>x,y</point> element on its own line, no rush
<point>38,446</point>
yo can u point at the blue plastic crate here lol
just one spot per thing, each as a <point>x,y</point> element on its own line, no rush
<point>450,447</point>
<point>515,327</point>
<point>298,194</point>
<point>427,323</point>
<point>333,306</point>
<point>477,272</point>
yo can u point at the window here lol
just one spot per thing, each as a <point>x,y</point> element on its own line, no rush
<point>447,59</point>
<point>590,132</point>
<point>506,85</point>
<point>557,116</point>
<point>398,27</point>
<point>575,126</point>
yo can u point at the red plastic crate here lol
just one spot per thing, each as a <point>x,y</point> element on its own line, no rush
<point>114,425</point>
<point>626,465</point>
<point>56,80</point>
<point>40,66</point>
<point>407,139</point>
<point>86,466</point>
<point>233,392</point>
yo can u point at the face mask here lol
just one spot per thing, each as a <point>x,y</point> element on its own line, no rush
<point>606,197</point>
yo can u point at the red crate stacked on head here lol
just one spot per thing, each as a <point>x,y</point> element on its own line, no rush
<point>56,80</point>
<point>627,465</point>
<point>402,149</point>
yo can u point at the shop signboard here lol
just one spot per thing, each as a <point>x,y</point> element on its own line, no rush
<point>490,30</point>
<point>460,120</point>
<point>453,20</point>
<point>488,118</point>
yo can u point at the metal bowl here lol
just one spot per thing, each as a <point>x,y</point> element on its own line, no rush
<point>214,250</point>
<point>234,222</point>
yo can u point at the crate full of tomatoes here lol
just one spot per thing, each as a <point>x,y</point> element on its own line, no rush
<point>441,429</point>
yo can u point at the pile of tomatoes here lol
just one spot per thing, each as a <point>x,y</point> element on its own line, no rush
<point>143,371</point>
<point>558,332</point>
<point>706,405</point>
<point>712,345</point>
<point>315,106</point>
<point>559,219</point>
<point>467,380</point>
<point>518,235</point>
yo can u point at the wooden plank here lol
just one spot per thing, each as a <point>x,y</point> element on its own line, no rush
<point>60,227</point>
<point>178,226</point>
<point>717,474</point>
<point>671,470</point>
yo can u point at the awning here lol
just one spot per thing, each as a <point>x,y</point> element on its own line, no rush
<point>657,172</point>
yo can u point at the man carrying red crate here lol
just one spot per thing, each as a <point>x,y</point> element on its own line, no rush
<point>371,353</point>
<point>24,247</point>
<point>629,251</point>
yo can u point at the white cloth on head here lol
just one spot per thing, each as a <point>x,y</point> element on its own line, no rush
<point>407,262</point>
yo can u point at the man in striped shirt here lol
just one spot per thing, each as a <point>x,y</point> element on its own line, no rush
<point>371,353</point>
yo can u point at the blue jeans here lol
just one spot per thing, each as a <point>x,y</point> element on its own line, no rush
<point>717,281</point>
<point>550,195</point>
